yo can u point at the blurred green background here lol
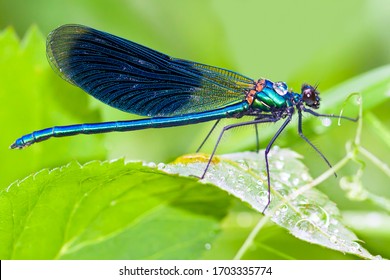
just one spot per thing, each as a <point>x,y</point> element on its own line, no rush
<point>324,42</point>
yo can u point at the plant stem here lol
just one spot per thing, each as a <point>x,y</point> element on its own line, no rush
<point>381,165</point>
<point>249,240</point>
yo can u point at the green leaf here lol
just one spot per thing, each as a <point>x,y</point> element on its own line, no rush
<point>108,210</point>
<point>34,97</point>
<point>310,216</point>
<point>113,210</point>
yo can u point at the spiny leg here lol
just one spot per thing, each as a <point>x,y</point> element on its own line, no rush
<point>267,150</point>
<point>208,135</point>
<point>328,115</point>
<point>307,140</point>
<point>260,119</point>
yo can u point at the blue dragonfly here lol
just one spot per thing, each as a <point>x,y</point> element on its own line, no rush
<point>168,91</point>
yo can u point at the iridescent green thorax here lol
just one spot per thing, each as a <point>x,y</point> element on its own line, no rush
<point>272,96</point>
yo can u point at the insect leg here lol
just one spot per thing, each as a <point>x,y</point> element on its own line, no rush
<point>307,140</point>
<point>262,119</point>
<point>208,135</point>
<point>267,150</point>
<point>328,115</point>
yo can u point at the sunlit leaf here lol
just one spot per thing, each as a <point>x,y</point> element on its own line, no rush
<point>108,211</point>
<point>310,216</point>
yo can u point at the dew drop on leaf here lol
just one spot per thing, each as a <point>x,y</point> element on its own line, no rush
<point>305,225</point>
<point>326,122</point>
<point>259,184</point>
<point>295,181</point>
<point>284,208</point>
<point>284,176</point>
<point>355,247</point>
<point>263,197</point>
<point>151,165</point>
<point>316,214</point>
<point>284,192</point>
<point>305,177</point>
<point>279,164</point>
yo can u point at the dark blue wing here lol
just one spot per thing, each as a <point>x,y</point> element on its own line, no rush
<point>139,80</point>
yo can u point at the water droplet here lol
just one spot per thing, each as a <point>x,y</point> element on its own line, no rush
<point>326,122</point>
<point>210,176</point>
<point>303,201</point>
<point>355,247</point>
<point>263,176</point>
<point>113,202</point>
<point>240,179</point>
<point>284,192</point>
<point>207,246</point>
<point>295,181</point>
<point>333,239</point>
<point>305,226</point>
<point>243,164</point>
<point>263,197</point>
<point>284,176</point>
<point>316,214</point>
<point>161,165</point>
<point>284,208</point>
<point>378,257</point>
<point>259,184</point>
<point>279,164</point>
<point>305,177</point>
<point>151,165</point>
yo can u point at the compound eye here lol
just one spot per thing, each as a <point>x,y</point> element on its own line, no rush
<point>310,96</point>
<point>280,88</point>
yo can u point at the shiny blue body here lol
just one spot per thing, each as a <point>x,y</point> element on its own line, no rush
<point>139,80</point>
<point>157,122</point>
